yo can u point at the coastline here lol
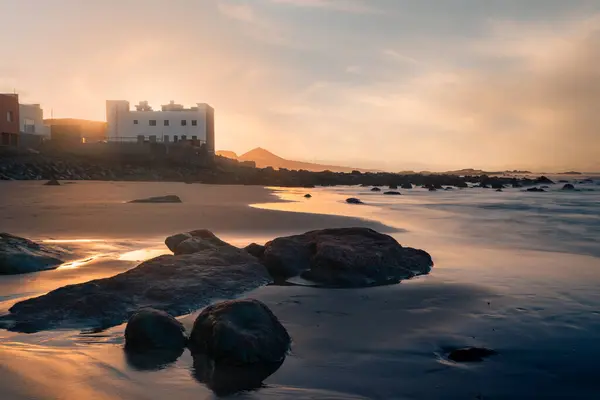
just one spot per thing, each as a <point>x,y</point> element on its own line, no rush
<point>378,343</point>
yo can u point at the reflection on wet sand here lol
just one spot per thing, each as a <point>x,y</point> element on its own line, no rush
<point>229,379</point>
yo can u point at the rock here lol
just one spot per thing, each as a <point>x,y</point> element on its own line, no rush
<point>375,189</point>
<point>432,189</point>
<point>256,250</point>
<point>344,257</point>
<point>151,329</point>
<point>535,189</point>
<point>563,181</point>
<point>160,199</point>
<point>193,242</point>
<point>353,200</point>
<point>393,186</point>
<point>497,185</point>
<point>19,255</point>
<point>52,182</point>
<point>307,196</point>
<point>449,188</point>
<point>239,332</point>
<point>499,190</point>
<point>407,186</point>
<point>470,354</point>
<point>175,284</point>
<point>568,186</point>
<point>544,180</point>
<point>393,193</point>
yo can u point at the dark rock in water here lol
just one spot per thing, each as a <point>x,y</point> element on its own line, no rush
<point>226,380</point>
<point>499,190</point>
<point>159,199</point>
<point>432,189</point>
<point>461,185</point>
<point>345,257</point>
<point>449,188</point>
<point>497,185</point>
<point>152,360</point>
<point>535,189</point>
<point>151,329</point>
<point>568,186</point>
<point>256,250</point>
<point>353,200</point>
<point>516,185</point>
<point>544,187</point>
<point>470,354</point>
<point>193,242</point>
<point>52,182</point>
<point>393,186</point>
<point>239,332</point>
<point>563,181</point>
<point>544,180</point>
<point>20,256</point>
<point>175,284</point>
<point>407,186</point>
<point>393,193</point>
<point>307,195</point>
<point>375,189</point>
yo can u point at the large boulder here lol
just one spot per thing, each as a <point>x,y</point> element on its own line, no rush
<point>193,242</point>
<point>19,255</point>
<point>568,186</point>
<point>375,189</point>
<point>544,180</point>
<point>239,332</point>
<point>344,257</point>
<point>151,329</point>
<point>159,199</point>
<point>256,250</point>
<point>392,193</point>
<point>175,284</point>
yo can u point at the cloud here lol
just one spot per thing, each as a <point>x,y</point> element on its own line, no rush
<point>237,11</point>
<point>349,6</point>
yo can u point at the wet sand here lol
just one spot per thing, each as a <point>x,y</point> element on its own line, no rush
<point>537,308</point>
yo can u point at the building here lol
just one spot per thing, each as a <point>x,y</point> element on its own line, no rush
<point>173,123</point>
<point>31,120</point>
<point>9,119</point>
<point>89,131</point>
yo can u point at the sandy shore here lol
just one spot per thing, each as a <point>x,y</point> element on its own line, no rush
<point>497,282</point>
<point>100,210</point>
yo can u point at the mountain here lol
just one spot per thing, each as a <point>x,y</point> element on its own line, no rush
<point>264,158</point>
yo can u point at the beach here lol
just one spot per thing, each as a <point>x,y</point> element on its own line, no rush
<point>515,272</point>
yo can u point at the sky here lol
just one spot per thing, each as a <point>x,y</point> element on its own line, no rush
<point>388,84</point>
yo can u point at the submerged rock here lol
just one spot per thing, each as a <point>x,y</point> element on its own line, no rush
<point>193,242</point>
<point>392,186</point>
<point>159,199</point>
<point>568,186</point>
<point>239,332</point>
<point>375,189</point>
<point>353,200</point>
<point>52,182</point>
<point>307,196</point>
<point>499,190</point>
<point>19,255</point>
<point>407,186</point>
<point>544,180</point>
<point>393,193</point>
<point>344,257</point>
<point>151,329</point>
<point>470,354</point>
<point>535,189</point>
<point>176,284</point>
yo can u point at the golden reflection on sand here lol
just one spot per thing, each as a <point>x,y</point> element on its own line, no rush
<point>143,254</point>
<point>78,263</point>
<point>72,240</point>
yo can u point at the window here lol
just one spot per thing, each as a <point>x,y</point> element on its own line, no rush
<point>194,122</point>
<point>183,122</point>
<point>166,122</point>
<point>152,122</point>
<point>135,121</point>
<point>194,137</point>
<point>9,116</point>
<point>28,125</point>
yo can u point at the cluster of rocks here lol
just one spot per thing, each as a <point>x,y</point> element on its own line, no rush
<point>45,167</point>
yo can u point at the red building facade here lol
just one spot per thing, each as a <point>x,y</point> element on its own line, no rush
<point>9,119</point>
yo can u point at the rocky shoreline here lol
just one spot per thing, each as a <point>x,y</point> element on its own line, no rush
<point>74,168</point>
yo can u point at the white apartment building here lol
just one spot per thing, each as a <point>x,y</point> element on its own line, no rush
<point>31,120</point>
<point>172,123</point>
